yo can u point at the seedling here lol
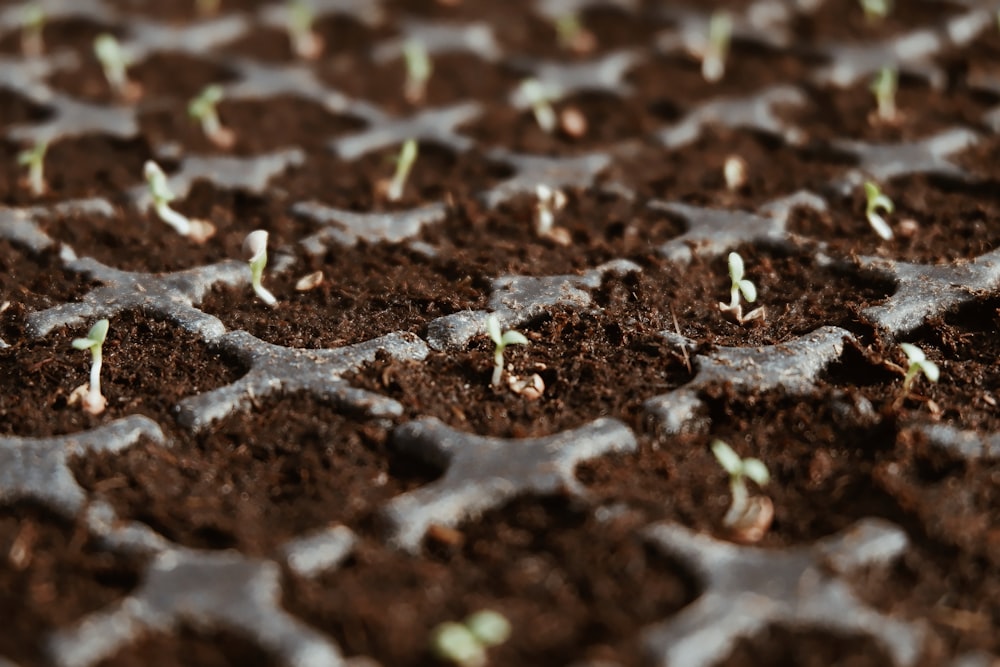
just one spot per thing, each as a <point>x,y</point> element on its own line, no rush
<point>538,98</point>
<point>203,109</point>
<point>305,43</point>
<point>572,35</point>
<point>404,164</point>
<point>34,159</point>
<point>876,10</point>
<point>197,230</point>
<point>90,397</point>
<point>720,31</point>
<point>549,202</point>
<point>876,201</point>
<point>465,644</point>
<point>735,172</point>
<point>917,363</point>
<point>884,87</point>
<point>740,285</point>
<point>255,250</point>
<point>32,25</point>
<point>747,519</point>
<point>114,62</point>
<point>501,340</point>
<point>418,71</point>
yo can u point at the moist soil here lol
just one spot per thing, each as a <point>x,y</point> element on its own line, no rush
<point>575,577</point>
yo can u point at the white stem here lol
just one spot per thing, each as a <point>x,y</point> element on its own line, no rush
<point>497,367</point>
<point>734,298</point>
<point>36,178</point>
<point>738,507</point>
<point>95,377</point>
<point>176,220</point>
<point>264,294</point>
<point>545,116</point>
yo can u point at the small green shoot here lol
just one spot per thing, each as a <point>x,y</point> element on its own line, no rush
<point>465,644</point>
<point>115,62</point>
<point>32,26</point>
<point>34,159</point>
<point>305,43</point>
<point>539,100</point>
<point>884,87</point>
<point>917,364</point>
<point>748,520</point>
<point>549,202</point>
<point>404,165</point>
<point>418,71</point>
<point>203,109</point>
<point>572,35</point>
<point>198,231</point>
<point>720,31</point>
<point>876,10</point>
<point>90,395</point>
<point>876,201</point>
<point>255,250</point>
<point>501,340</point>
<point>740,285</point>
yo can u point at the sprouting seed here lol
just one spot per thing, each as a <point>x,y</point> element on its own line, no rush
<point>203,109</point>
<point>159,189</point>
<point>572,35</point>
<point>917,363</point>
<point>749,519</point>
<point>740,286</point>
<point>884,87</point>
<point>734,171</point>
<point>32,26</point>
<point>876,201</point>
<point>404,164</point>
<point>255,250</point>
<point>418,70</point>
<point>465,644</point>
<point>501,341</point>
<point>537,97</point>
<point>549,202</point>
<point>92,400</point>
<point>34,159</point>
<point>720,30</point>
<point>305,43</point>
<point>876,10</point>
<point>115,62</point>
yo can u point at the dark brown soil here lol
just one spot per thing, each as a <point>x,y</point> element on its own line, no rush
<point>192,647</point>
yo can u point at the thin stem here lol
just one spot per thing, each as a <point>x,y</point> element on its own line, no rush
<point>176,220</point>
<point>95,375</point>
<point>497,366</point>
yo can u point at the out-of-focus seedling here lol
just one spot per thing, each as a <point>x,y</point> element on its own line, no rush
<point>32,26</point>
<point>876,10</point>
<point>573,36</point>
<point>874,202</point>
<point>198,231</point>
<point>255,251</point>
<point>740,285</point>
<point>465,644</point>
<point>404,165</point>
<point>501,341</point>
<point>89,395</point>
<point>720,31</point>
<point>305,42</point>
<point>418,71</point>
<point>747,518</point>
<point>884,87</point>
<point>735,172</point>
<point>203,109</point>
<point>917,364</point>
<point>115,62</point>
<point>549,201</point>
<point>34,159</point>
<point>538,98</point>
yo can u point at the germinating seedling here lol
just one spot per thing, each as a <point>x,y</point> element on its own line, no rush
<point>538,98</point>
<point>418,71</point>
<point>884,87</point>
<point>876,10</point>
<point>203,109</point>
<point>501,340</point>
<point>32,25</point>
<point>306,43</point>
<point>34,159</point>
<point>749,519</point>
<point>255,250</point>
<point>917,364</point>
<point>465,644</point>
<point>572,35</point>
<point>404,164</point>
<point>720,31</point>
<point>114,62</point>
<point>92,400</point>
<point>740,286</point>
<point>875,201</point>
<point>197,230</point>
<point>549,202</point>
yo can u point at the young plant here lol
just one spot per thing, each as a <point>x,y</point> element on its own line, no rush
<point>747,519</point>
<point>572,35</point>
<point>404,164</point>
<point>884,87</point>
<point>501,340</point>
<point>720,31</point>
<point>203,109</point>
<point>32,25</point>
<point>305,42</point>
<point>549,201</point>
<point>465,644</point>
<point>740,285</point>
<point>114,62</point>
<point>255,250</point>
<point>876,201</point>
<point>917,364</point>
<point>418,71</point>
<point>876,10</point>
<point>34,159</point>
<point>537,97</point>
<point>734,171</point>
<point>198,231</point>
<point>90,395</point>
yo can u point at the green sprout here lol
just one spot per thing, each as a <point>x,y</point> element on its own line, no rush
<point>884,87</point>
<point>255,249</point>
<point>876,10</point>
<point>305,43</point>
<point>32,25</point>
<point>115,62</point>
<point>501,340</point>
<point>93,401</point>
<point>465,644</point>
<point>34,159</point>
<point>917,363</point>
<point>159,189</point>
<point>549,202</point>
<point>203,109</point>
<point>876,201</point>
<point>418,70</point>
<point>404,164</point>
<point>739,470</point>
<point>572,35</point>
<point>540,101</point>
<point>740,285</point>
<point>720,31</point>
